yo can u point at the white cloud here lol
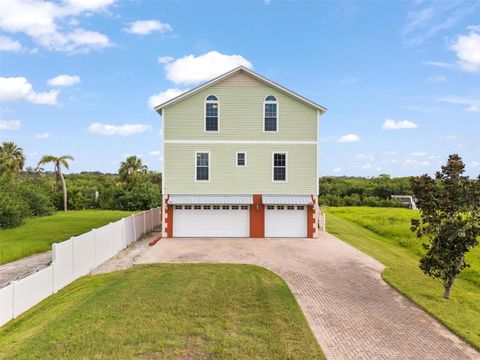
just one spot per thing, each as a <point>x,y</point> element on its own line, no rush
<point>194,69</point>
<point>49,23</point>
<point>390,124</point>
<point>475,164</point>
<point>472,105</point>
<point>419,153</point>
<point>364,157</point>
<point>145,27</point>
<point>18,88</point>
<point>348,138</point>
<point>439,64</point>
<point>42,136</point>
<point>10,124</point>
<point>437,78</point>
<point>124,130</point>
<point>164,96</point>
<point>467,48</point>
<point>64,80</point>
<point>416,163</point>
<point>165,59</point>
<point>155,152</point>
<point>337,170</point>
<point>7,44</point>
<point>370,166</point>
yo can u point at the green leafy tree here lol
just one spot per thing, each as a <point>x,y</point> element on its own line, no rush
<point>12,158</point>
<point>450,220</point>
<point>58,162</point>
<point>131,168</point>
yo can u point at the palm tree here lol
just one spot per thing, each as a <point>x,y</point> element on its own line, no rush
<point>12,158</point>
<point>58,162</point>
<point>130,168</point>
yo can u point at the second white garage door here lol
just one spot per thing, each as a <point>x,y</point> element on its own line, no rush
<point>286,221</point>
<point>211,221</point>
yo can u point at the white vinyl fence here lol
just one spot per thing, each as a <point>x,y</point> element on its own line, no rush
<point>74,258</point>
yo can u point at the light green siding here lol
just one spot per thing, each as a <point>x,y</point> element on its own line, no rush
<point>227,178</point>
<point>241,116</point>
<point>241,119</point>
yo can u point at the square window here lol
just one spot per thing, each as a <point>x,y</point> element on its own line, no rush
<point>225,207</point>
<point>241,159</point>
<point>235,207</point>
<point>188,207</point>
<point>178,207</point>
<point>206,207</point>
<point>300,208</point>
<point>290,207</point>
<point>280,207</point>
<point>270,207</point>
<point>244,207</point>
<point>216,207</point>
<point>197,207</point>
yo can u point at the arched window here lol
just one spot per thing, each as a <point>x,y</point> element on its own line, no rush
<point>270,113</point>
<point>211,113</point>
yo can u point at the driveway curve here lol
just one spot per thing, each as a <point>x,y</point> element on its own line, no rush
<point>353,313</point>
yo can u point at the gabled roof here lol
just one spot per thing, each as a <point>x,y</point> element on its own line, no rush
<point>237,70</point>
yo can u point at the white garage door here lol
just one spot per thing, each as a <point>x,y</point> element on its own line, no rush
<point>211,221</point>
<point>285,221</point>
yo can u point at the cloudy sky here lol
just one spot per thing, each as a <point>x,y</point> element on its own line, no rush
<point>401,80</point>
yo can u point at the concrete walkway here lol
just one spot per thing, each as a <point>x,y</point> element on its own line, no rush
<point>353,313</point>
<point>21,268</point>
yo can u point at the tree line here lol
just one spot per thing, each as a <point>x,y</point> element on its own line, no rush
<point>45,189</point>
<point>360,191</point>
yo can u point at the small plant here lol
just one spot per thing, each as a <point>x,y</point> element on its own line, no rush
<point>449,207</point>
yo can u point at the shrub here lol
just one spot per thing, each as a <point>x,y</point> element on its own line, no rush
<point>12,211</point>
<point>36,197</point>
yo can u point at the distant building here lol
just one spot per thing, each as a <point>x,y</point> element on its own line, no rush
<point>407,200</point>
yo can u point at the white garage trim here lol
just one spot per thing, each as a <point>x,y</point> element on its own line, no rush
<point>286,221</point>
<point>211,220</point>
<point>210,199</point>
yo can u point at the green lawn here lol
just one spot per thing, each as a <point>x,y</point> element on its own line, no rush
<point>166,311</point>
<point>384,234</point>
<point>38,234</point>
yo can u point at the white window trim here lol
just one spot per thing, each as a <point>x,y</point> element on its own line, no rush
<point>278,113</point>
<point>209,166</point>
<point>205,114</point>
<point>286,166</point>
<point>236,159</point>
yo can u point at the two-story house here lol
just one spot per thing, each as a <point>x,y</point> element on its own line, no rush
<point>240,160</point>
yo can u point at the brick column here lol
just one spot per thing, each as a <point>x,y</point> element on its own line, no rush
<point>312,218</point>
<point>167,218</point>
<point>257,218</point>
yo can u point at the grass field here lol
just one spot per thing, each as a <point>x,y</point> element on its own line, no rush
<point>37,234</point>
<point>384,234</point>
<point>166,311</point>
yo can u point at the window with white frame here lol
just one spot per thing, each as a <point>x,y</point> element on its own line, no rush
<point>279,167</point>
<point>202,172</point>
<point>270,113</point>
<point>211,113</point>
<point>241,159</point>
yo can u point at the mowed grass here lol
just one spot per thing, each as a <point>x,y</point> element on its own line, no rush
<point>384,234</point>
<point>37,234</point>
<point>166,311</point>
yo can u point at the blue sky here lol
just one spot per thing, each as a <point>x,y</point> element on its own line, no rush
<point>401,80</point>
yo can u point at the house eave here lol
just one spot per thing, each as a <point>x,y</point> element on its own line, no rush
<point>212,82</point>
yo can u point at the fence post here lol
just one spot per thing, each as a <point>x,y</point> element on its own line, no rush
<point>151,216</point>
<point>110,226</point>
<point>134,229</point>
<point>94,249</point>
<point>73,258</point>
<point>14,282</point>
<point>124,234</point>
<point>54,258</point>
<point>144,223</point>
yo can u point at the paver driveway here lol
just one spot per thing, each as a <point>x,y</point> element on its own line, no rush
<point>353,313</point>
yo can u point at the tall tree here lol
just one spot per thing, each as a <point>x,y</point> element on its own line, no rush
<point>58,162</point>
<point>450,220</point>
<point>12,158</point>
<point>130,168</point>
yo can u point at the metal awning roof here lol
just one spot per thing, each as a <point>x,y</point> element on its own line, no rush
<point>210,199</point>
<point>287,200</point>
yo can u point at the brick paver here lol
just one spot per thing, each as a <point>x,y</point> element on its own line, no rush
<point>353,313</point>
